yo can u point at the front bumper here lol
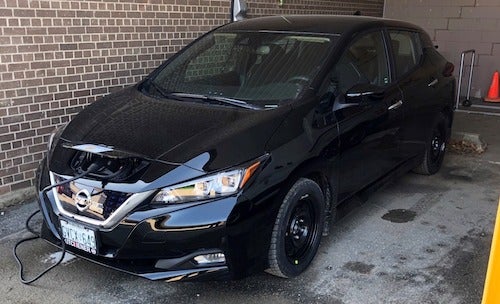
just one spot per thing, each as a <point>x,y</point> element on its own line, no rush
<point>154,242</point>
<point>161,246</point>
<point>179,268</point>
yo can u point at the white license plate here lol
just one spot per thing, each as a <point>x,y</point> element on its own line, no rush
<point>79,236</point>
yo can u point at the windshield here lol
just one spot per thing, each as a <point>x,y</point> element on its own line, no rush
<point>261,68</point>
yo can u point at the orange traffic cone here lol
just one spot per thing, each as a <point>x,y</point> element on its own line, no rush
<point>493,91</point>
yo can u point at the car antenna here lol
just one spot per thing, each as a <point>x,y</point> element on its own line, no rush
<point>357,13</point>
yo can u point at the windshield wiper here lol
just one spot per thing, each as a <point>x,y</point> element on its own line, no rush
<point>161,90</point>
<point>226,100</point>
<point>157,87</point>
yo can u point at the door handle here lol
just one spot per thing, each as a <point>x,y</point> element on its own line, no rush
<point>433,83</point>
<point>396,105</point>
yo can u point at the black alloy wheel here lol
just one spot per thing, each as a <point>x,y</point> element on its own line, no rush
<point>438,146</point>
<point>297,230</point>
<point>435,149</point>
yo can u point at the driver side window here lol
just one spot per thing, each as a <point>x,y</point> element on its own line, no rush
<point>364,61</point>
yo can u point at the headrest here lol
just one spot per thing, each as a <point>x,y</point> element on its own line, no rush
<point>263,50</point>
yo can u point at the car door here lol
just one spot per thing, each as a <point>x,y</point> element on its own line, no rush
<point>368,120</point>
<point>418,80</point>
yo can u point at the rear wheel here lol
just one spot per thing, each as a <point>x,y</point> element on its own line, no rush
<point>435,148</point>
<point>297,230</point>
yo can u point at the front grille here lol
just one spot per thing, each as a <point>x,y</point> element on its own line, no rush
<point>113,200</point>
<point>101,204</point>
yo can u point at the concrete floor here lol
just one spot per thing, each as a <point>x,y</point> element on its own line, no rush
<point>419,240</point>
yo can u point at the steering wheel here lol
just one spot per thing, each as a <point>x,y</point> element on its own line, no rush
<point>298,79</point>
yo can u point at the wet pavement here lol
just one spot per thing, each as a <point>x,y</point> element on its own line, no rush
<point>419,240</point>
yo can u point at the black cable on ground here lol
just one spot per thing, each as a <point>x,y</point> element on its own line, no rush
<point>37,235</point>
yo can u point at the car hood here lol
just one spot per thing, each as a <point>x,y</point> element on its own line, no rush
<point>175,131</point>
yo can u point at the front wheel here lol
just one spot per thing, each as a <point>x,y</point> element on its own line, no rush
<point>435,148</point>
<point>297,229</point>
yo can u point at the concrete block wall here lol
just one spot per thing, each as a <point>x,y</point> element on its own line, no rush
<point>455,26</point>
<point>57,56</point>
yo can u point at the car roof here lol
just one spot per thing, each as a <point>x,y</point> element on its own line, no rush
<point>325,24</point>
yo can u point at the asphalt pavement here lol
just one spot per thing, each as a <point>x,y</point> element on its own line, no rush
<point>419,240</point>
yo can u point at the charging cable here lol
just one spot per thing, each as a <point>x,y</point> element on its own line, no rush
<point>90,169</point>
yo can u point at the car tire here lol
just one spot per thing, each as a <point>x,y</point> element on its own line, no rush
<point>435,148</point>
<point>297,229</point>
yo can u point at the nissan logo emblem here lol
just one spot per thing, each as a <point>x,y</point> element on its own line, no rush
<point>82,200</point>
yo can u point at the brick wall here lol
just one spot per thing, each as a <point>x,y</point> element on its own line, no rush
<point>457,26</point>
<point>58,56</point>
<point>258,8</point>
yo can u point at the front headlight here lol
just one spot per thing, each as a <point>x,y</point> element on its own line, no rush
<point>212,186</point>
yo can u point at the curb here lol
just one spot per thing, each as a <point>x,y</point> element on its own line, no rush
<point>473,139</point>
<point>17,197</point>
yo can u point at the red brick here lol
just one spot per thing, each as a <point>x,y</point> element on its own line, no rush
<point>17,144</point>
<point>69,46</point>
<point>64,13</point>
<point>36,30</point>
<point>25,134</point>
<point>5,12</point>
<point>57,31</point>
<point>52,80</point>
<point>12,119</point>
<point>41,98</point>
<point>30,174</point>
<point>14,128</point>
<point>10,84</point>
<point>23,100</point>
<point>17,152</point>
<point>4,189</point>
<point>45,13</point>
<point>21,185</point>
<point>37,148</point>
<point>29,166</point>
<point>24,13</point>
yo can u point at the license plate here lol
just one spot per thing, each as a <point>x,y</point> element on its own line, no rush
<point>79,236</point>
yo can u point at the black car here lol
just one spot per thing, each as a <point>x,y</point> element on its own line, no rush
<point>232,156</point>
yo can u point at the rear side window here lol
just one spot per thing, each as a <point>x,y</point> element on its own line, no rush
<point>407,50</point>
